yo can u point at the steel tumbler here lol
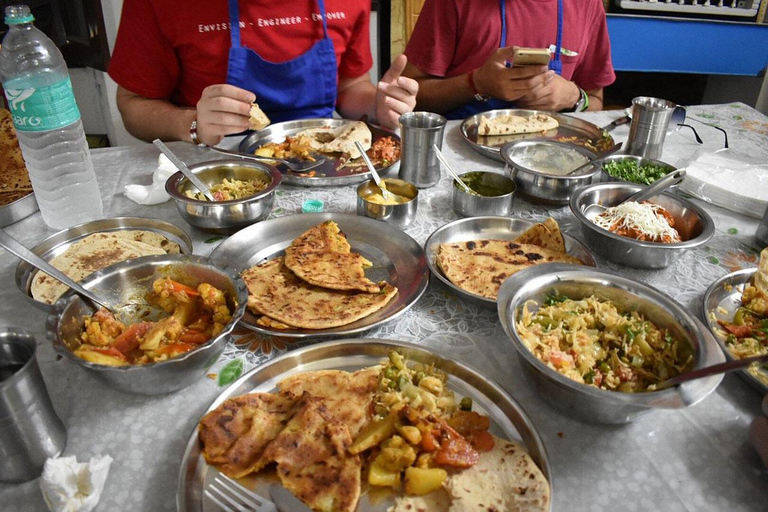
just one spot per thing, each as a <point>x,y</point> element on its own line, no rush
<point>30,430</point>
<point>650,118</point>
<point>418,163</point>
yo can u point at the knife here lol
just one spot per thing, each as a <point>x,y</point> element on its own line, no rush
<point>617,122</point>
<point>285,500</point>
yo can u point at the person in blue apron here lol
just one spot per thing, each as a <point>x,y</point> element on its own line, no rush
<point>305,86</point>
<point>459,78</point>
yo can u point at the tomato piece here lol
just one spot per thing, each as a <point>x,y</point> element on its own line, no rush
<point>176,348</point>
<point>194,337</point>
<point>464,422</point>
<point>481,440</point>
<point>740,331</point>
<point>428,441</point>
<point>175,286</point>
<point>128,341</point>
<point>111,351</point>
<point>455,451</point>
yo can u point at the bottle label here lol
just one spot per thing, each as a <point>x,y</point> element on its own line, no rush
<point>43,108</point>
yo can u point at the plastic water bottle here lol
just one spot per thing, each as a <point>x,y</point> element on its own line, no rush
<point>48,125</point>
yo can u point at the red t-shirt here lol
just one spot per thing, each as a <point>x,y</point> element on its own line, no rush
<point>453,37</point>
<point>173,49</point>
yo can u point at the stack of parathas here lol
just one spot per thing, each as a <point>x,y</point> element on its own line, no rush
<point>14,178</point>
<point>480,266</point>
<point>319,283</point>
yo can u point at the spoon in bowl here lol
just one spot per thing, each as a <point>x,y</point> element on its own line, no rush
<point>600,156</point>
<point>386,194</point>
<point>653,190</point>
<point>444,161</point>
<point>202,187</point>
<point>707,371</point>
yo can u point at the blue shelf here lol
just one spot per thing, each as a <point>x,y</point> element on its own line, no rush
<point>680,45</point>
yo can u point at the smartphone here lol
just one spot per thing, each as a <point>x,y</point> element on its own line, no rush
<point>530,57</point>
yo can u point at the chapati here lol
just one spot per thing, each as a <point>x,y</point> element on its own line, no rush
<point>514,124</point>
<point>544,234</point>
<point>258,119</point>
<point>340,139</point>
<point>95,252</point>
<point>480,266</point>
<point>323,257</point>
<point>275,291</point>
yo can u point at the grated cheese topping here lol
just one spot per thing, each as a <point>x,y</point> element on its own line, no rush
<point>645,218</point>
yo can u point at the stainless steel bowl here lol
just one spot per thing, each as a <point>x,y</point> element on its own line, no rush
<point>225,216</point>
<point>588,403</point>
<point>476,205</point>
<point>400,215</point>
<point>129,282</point>
<point>695,226</point>
<point>604,176</point>
<point>542,186</point>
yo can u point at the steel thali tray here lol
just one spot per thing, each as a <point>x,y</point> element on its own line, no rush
<point>397,258</point>
<point>18,209</point>
<point>721,300</point>
<point>334,172</point>
<point>480,228</point>
<point>60,242</point>
<point>508,419</point>
<point>572,130</point>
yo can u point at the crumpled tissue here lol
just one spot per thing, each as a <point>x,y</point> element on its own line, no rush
<point>154,193</point>
<point>71,486</point>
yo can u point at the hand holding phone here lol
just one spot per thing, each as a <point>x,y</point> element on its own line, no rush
<point>530,57</point>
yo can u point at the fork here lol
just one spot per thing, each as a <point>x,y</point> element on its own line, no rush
<point>293,166</point>
<point>232,496</point>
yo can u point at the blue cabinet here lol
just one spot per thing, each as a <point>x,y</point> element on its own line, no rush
<point>681,45</point>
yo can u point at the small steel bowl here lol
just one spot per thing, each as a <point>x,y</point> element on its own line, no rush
<point>589,403</point>
<point>129,282</point>
<point>224,216</point>
<point>400,215</point>
<point>476,205</point>
<point>695,226</point>
<point>542,186</point>
<point>604,176</point>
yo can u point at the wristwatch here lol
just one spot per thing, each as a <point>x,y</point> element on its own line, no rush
<point>583,102</point>
<point>471,81</point>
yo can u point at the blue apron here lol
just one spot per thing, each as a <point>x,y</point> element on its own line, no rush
<point>475,106</point>
<point>303,87</point>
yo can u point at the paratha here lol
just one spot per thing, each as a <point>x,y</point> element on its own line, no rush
<point>340,139</point>
<point>95,252</point>
<point>275,291</point>
<point>322,256</point>
<point>544,234</point>
<point>515,124</point>
<point>480,266</point>
<point>14,178</point>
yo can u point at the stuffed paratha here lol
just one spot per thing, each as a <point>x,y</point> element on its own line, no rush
<point>275,291</point>
<point>515,124</point>
<point>14,178</point>
<point>480,266</point>
<point>544,234</point>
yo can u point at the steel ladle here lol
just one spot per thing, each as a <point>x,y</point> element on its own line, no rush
<point>386,194</point>
<point>444,161</point>
<point>712,370</point>
<point>659,186</point>
<point>202,187</point>
<point>13,246</point>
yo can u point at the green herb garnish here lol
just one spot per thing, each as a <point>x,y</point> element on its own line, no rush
<point>630,170</point>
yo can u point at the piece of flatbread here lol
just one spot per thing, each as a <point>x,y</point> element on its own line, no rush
<point>544,234</point>
<point>95,252</point>
<point>513,124</point>
<point>480,266</point>
<point>258,119</point>
<point>14,178</point>
<point>323,257</point>
<point>504,479</point>
<point>276,292</point>
<point>340,139</point>
<point>437,501</point>
<point>761,276</point>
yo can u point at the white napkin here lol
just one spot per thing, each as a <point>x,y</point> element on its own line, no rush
<point>154,193</point>
<point>71,486</point>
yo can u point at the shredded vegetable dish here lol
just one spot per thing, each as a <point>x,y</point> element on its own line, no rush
<point>644,221</point>
<point>196,316</point>
<point>747,335</point>
<point>592,342</point>
<point>228,190</point>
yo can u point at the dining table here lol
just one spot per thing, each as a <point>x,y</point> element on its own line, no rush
<point>696,458</point>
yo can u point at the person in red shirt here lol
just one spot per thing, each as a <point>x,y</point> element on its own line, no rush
<point>459,53</point>
<point>190,69</point>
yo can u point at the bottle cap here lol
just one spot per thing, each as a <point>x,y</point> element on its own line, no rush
<point>312,206</point>
<point>18,14</point>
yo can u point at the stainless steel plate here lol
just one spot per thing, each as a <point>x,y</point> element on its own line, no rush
<point>60,242</point>
<point>329,174</point>
<point>485,228</point>
<point>397,258</point>
<point>508,420</point>
<point>17,210</point>
<point>571,129</point>
<point>722,299</point>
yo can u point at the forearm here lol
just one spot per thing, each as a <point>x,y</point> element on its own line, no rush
<point>356,99</point>
<point>443,94</point>
<point>595,99</point>
<point>150,119</point>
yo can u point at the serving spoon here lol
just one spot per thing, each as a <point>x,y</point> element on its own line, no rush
<point>653,190</point>
<point>202,187</point>
<point>386,194</point>
<point>600,156</point>
<point>707,371</point>
<point>444,161</point>
<point>13,246</point>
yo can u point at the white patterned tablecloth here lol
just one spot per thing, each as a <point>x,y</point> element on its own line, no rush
<point>684,460</point>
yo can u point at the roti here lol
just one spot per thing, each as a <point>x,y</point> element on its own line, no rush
<point>323,257</point>
<point>480,266</point>
<point>258,119</point>
<point>14,178</point>
<point>544,234</point>
<point>515,124</point>
<point>341,139</point>
<point>275,291</point>
<point>95,252</point>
